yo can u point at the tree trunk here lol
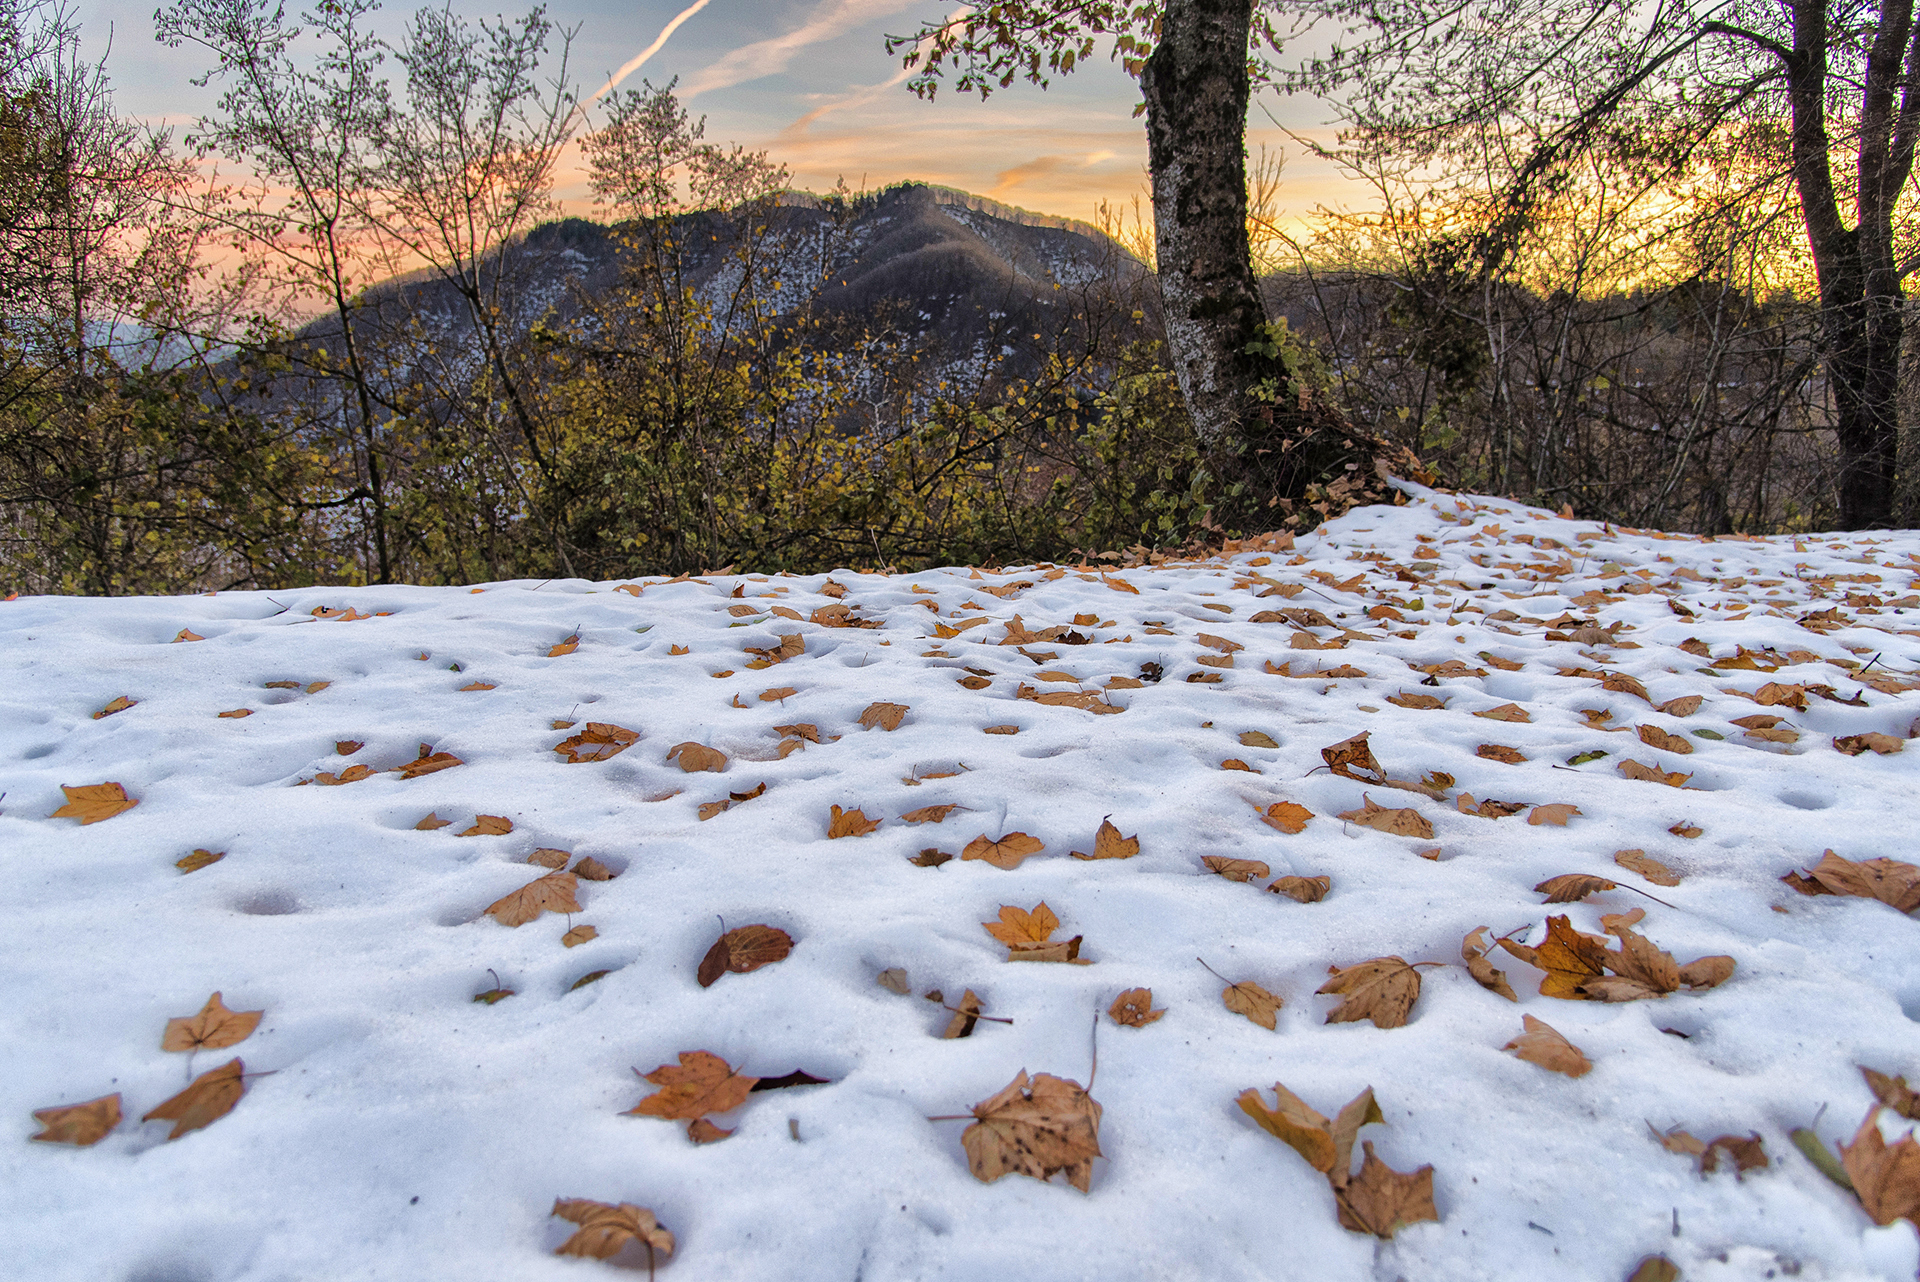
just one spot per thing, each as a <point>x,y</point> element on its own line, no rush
<point>1196,89</point>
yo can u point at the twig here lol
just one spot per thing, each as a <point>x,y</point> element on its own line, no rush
<point>974,1014</point>
<point>1094,1069</point>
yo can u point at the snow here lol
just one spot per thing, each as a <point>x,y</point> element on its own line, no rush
<point>399,1130</point>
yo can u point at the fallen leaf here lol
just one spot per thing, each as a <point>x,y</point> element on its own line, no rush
<point>1651,774</point>
<point>931,857</point>
<point>742,950</point>
<point>790,645</point>
<point>207,1099</point>
<point>1307,890</point>
<point>1655,1268</point>
<point>695,757</point>
<point>1256,1003</point>
<point>78,1124</point>
<point>121,704</point>
<point>477,685</point>
<point>699,1084</point>
<point>1235,869</point>
<point>431,822</point>
<point>1002,730</point>
<point>186,634</point>
<point>568,646</point>
<point>1134,1008</point>
<point>1655,737</point>
<point>885,715</point>
<point>1256,739</point>
<point>1107,844</point>
<point>1569,888</point>
<point>553,893</point>
<point>597,742</point>
<point>1234,763</point>
<point>1686,828</point>
<point>606,1228</point>
<point>930,814</point>
<point>1685,706</point>
<point>591,977</point>
<point>238,712</point>
<point>966,1017</point>
<point>849,823</point>
<point>1473,951</point>
<point>1542,1044</point>
<point>489,826</point>
<point>1776,694</point>
<point>1018,927</point>
<point>1423,702</point>
<point>199,859</point>
<point>1382,989</point>
<point>1885,1178</point>
<point>1888,880</point>
<point>579,935</point>
<point>352,774</point>
<point>1353,759</point>
<point>1038,1127</point>
<point>1893,1092</point>
<point>1621,683</point>
<point>1746,1152</point>
<point>1556,813</point>
<point>1289,817</point>
<point>1873,741</point>
<point>1505,712</point>
<point>1380,1200</point>
<point>1569,957</point>
<point>1005,852</point>
<point>1500,752</point>
<point>1706,972</point>
<point>894,980</point>
<point>1652,869</point>
<point>1400,823</point>
<point>214,1028</point>
<point>90,803</point>
<point>1487,809</point>
<point>1327,1146</point>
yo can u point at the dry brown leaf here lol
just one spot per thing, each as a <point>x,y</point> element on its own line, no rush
<point>1651,774</point>
<point>701,1083</point>
<point>894,980</point>
<point>579,935</point>
<point>1489,808</point>
<point>474,686</point>
<point>1327,1146</point>
<point>1706,972</point>
<point>1885,1178</point>
<point>742,950</point>
<point>1289,817</point>
<point>930,814</point>
<point>1893,1092</point>
<point>1556,813</point>
<point>1422,702</point>
<point>776,694</point>
<point>1652,869</point>
<point>1569,957</point>
<point>568,646</point>
<point>1005,852</point>
<point>931,857</point>
<point>1400,823</point>
<point>552,893</point>
<point>1685,706</point>
<point>1612,922</point>
<point>791,644</point>
<point>592,869</point>
<point>81,1125</point>
<point>1873,741</point>
<point>432,822</point>
<point>489,826</point>
<point>605,1229</point>
<point>187,634</point>
<point>1235,869</point>
<point>199,859</point>
<point>885,715</point>
<point>1108,844</point>
<point>1307,890</point>
<point>1036,1127</point>
<point>1473,951</point>
<point>849,823</point>
<point>1353,759</point>
<point>1017,927</point>
<point>1500,752</point>
<point>90,803</point>
<point>120,704</point>
<point>966,1016</point>
<point>1655,737</point>
<point>548,857</point>
<point>352,774</point>
<point>1381,989</point>
<point>1505,712</point>
<point>1234,763</point>
<point>1621,683</point>
<point>1380,1200</point>
<point>238,712</point>
<point>1256,739</point>
<point>597,742</point>
<point>1888,880</point>
<point>1775,694</point>
<point>1570,888</point>
<point>1002,730</point>
<point>696,757</point>
<point>1686,828</point>
<point>347,747</point>
<point>1655,1268</point>
<point>1256,1003</point>
<point>1746,1152</point>
<point>1134,1008</point>
<point>214,1028</point>
<point>207,1099</point>
<point>1542,1044</point>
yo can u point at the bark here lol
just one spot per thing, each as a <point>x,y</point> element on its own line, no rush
<point>1196,89</point>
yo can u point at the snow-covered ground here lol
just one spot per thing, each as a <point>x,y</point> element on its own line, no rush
<point>398,1129</point>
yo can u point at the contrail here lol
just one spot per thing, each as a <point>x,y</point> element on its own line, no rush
<point>634,63</point>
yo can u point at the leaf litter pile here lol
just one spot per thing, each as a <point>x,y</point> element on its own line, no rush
<point>547,932</point>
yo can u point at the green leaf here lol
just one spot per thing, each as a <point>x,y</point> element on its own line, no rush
<point>1822,1158</point>
<point>1592,754</point>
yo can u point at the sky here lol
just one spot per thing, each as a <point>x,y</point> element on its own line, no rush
<point>810,81</point>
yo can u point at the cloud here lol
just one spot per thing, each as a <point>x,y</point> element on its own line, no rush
<point>829,19</point>
<point>638,60</point>
<point>1038,167</point>
<point>862,96</point>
